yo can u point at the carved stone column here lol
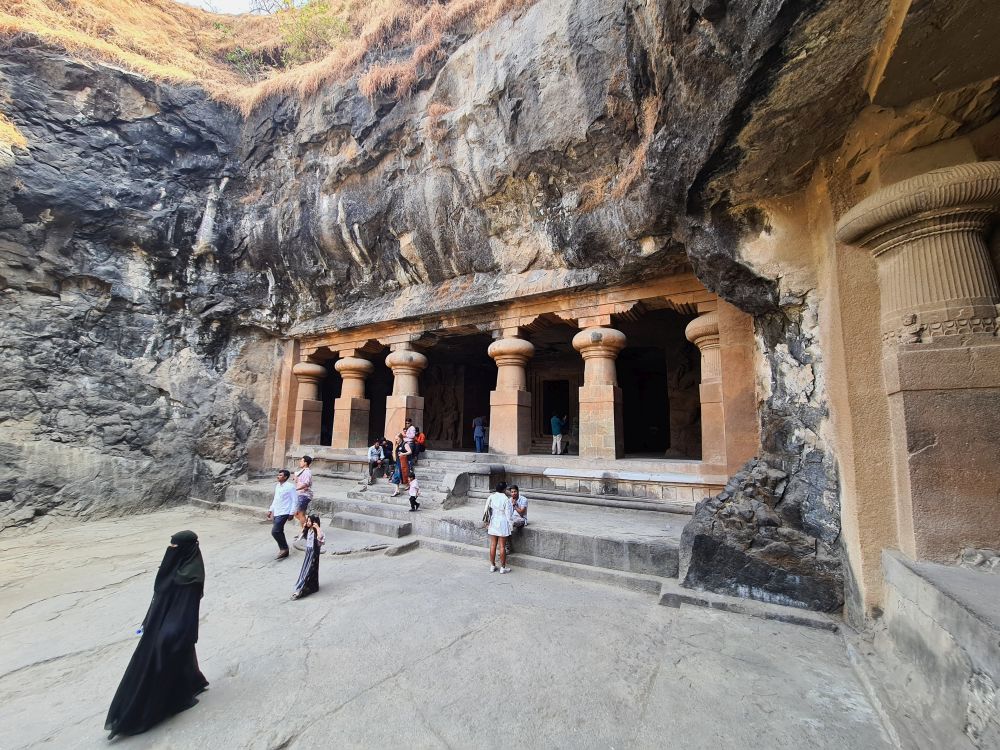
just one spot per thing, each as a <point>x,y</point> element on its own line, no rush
<point>308,405</point>
<point>405,401</point>
<point>703,332</point>
<point>351,410</point>
<point>940,352</point>
<point>601,431</point>
<point>510,403</point>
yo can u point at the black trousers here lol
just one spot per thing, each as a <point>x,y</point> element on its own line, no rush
<point>278,532</point>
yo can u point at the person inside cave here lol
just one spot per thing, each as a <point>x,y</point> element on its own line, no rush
<point>163,676</point>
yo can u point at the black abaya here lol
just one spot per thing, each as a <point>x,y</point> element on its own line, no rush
<point>308,582</point>
<point>163,678</point>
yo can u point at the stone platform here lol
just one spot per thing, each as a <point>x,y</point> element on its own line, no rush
<point>409,646</point>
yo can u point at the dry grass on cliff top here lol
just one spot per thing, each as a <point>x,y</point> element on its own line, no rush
<point>244,60</point>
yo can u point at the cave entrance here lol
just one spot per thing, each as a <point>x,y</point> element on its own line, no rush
<point>659,372</point>
<point>555,374</point>
<point>456,387</point>
<point>329,391</point>
<point>378,387</point>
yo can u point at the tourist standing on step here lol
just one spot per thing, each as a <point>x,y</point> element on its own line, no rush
<point>558,425</point>
<point>501,518</point>
<point>303,490</point>
<point>520,518</point>
<point>403,452</point>
<point>376,459</point>
<point>479,433</point>
<point>282,508</point>
<point>414,491</point>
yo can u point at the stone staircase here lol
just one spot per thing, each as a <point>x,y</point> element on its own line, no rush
<point>631,548</point>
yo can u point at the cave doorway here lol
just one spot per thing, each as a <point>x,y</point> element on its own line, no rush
<point>378,387</point>
<point>456,388</point>
<point>659,372</point>
<point>329,391</point>
<point>555,374</point>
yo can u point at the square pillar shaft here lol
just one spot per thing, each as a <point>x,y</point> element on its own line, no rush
<point>398,408</point>
<point>350,422</point>
<point>308,422</point>
<point>601,430</point>
<point>510,422</point>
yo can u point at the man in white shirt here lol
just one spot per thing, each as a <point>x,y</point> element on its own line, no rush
<point>520,503</point>
<point>282,508</point>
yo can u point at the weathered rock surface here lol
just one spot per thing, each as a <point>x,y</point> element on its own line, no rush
<point>154,245</point>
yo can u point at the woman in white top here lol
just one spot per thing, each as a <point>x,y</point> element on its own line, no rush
<point>501,521</point>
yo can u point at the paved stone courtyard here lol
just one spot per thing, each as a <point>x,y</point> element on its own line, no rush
<point>420,650</point>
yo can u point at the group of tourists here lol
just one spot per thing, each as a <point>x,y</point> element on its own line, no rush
<point>396,460</point>
<point>292,496</point>
<point>163,677</point>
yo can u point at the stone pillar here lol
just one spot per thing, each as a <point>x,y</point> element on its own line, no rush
<point>601,432</point>
<point>703,332</point>
<point>940,352</point>
<point>308,405</point>
<point>510,403</point>
<point>405,401</point>
<point>351,410</point>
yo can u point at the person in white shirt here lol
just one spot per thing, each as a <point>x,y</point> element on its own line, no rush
<point>520,505</point>
<point>414,490</point>
<point>375,459</point>
<point>501,514</point>
<point>282,508</point>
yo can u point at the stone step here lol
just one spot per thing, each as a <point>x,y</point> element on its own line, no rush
<point>364,506</point>
<point>389,489</point>
<point>605,501</point>
<point>371,524</point>
<point>624,551</point>
<point>645,584</point>
<point>401,500</point>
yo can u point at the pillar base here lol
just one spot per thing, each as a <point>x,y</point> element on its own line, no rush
<point>308,422</point>
<point>601,431</point>
<point>398,408</point>
<point>350,423</point>
<point>510,422</point>
<point>943,406</point>
<point>713,424</point>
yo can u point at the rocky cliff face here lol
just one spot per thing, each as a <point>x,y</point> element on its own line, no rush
<point>155,245</point>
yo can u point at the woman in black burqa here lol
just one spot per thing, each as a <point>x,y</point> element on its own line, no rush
<point>163,677</point>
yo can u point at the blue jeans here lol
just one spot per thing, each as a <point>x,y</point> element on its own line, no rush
<point>480,444</point>
<point>278,532</point>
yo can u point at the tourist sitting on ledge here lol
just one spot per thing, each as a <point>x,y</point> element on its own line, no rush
<point>376,459</point>
<point>520,518</point>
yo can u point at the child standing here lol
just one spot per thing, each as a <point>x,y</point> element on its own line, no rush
<point>414,492</point>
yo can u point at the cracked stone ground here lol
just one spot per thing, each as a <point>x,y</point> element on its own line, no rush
<point>419,650</point>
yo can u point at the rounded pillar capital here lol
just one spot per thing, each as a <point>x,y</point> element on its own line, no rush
<point>354,367</point>
<point>511,351</point>
<point>927,235</point>
<point>308,372</point>
<point>604,343</point>
<point>704,330</point>
<point>406,360</point>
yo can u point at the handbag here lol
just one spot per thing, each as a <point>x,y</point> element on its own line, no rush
<point>487,513</point>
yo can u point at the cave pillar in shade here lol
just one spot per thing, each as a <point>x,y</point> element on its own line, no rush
<point>703,332</point>
<point>601,430</point>
<point>510,403</point>
<point>351,410</point>
<point>308,405</point>
<point>405,401</point>
<point>940,351</point>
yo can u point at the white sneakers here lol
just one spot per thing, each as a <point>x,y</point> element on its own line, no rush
<point>493,568</point>
<point>505,570</point>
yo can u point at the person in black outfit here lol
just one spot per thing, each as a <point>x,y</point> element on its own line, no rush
<point>163,677</point>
